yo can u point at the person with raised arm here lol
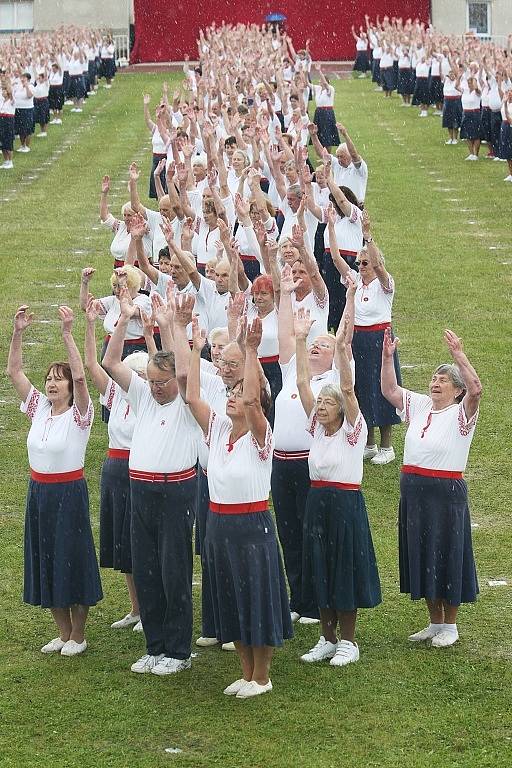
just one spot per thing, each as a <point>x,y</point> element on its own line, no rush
<point>246,574</point>
<point>162,462</point>
<point>159,147</point>
<point>61,570</point>
<point>435,548</point>
<point>121,229</point>
<point>324,117</point>
<point>310,291</point>
<point>339,560</point>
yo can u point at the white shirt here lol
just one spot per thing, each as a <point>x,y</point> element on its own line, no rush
<point>122,239</point>
<point>338,457</point>
<point>213,392</point>
<point>216,303</point>
<point>20,97</point>
<point>323,97</point>
<point>348,229</point>
<point>155,219</point>
<point>238,472</point>
<point>56,78</point>
<point>318,312</point>
<point>372,302</point>
<point>353,177</point>
<point>111,312</point>
<point>165,437</point>
<point>269,346</point>
<point>121,422</point>
<point>56,443</point>
<point>436,439</point>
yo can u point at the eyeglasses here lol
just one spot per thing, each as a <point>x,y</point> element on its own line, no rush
<point>321,345</point>
<point>363,263</point>
<point>153,383</point>
<point>232,365</point>
<point>230,392</point>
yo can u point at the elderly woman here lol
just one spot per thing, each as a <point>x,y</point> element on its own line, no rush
<point>264,307</point>
<point>61,570</point>
<point>435,549</point>
<point>338,556</point>
<point>375,289</point>
<point>244,564</point>
<point>121,229</point>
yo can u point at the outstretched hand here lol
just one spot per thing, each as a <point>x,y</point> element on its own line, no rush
<point>453,343</point>
<point>390,344</point>
<point>253,334</point>
<point>66,318</point>
<point>302,322</point>
<point>288,284</point>
<point>22,318</point>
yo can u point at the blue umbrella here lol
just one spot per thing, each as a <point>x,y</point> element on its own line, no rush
<point>275,17</point>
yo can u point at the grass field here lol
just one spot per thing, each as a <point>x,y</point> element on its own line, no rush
<point>444,226</point>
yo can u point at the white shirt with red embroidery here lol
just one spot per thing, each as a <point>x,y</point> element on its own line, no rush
<point>436,439</point>
<point>165,437</point>
<point>238,473</point>
<point>111,312</point>
<point>338,458</point>
<point>373,303</point>
<point>122,239</point>
<point>318,312</point>
<point>56,443</point>
<point>354,177</point>
<point>121,422</point>
<point>269,346</point>
<point>349,232</point>
<point>213,392</point>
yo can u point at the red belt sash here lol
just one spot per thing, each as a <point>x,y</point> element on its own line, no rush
<point>332,484</point>
<point>324,107</point>
<point>477,109</point>
<point>342,252</point>
<point>451,98</point>
<point>410,469</point>
<point>5,114</point>
<point>291,455</point>
<point>57,477</point>
<point>375,327</point>
<point>239,509</point>
<point>120,263</point>
<point>159,154</point>
<point>138,340</point>
<point>271,359</point>
<point>118,453</point>
<point>247,257</point>
<point>162,477</point>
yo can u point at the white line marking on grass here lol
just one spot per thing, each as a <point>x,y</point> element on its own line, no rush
<point>497,583</point>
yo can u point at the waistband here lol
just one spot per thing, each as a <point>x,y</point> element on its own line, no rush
<point>57,477</point>
<point>324,107</point>
<point>239,509</point>
<point>472,110</point>
<point>138,340</point>
<point>121,263</point>
<point>375,327</point>
<point>118,453</point>
<point>331,484</point>
<point>5,114</point>
<point>291,455</point>
<point>159,154</point>
<point>162,477</point>
<point>452,98</point>
<point>247,257</point>
<point>271,359</point>
<point>40,98</point>
<point>422,77</point>
<point>75,76</point>
<point>410,469</point>
<point>343,252</point>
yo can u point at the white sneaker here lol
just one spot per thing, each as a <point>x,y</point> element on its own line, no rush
<point>445,638</point>
<point>169,666</point>
<point>370,451</point>
<point>69,103</point>
<point>54,646</point>
<point>73,110</point>
<point>496,159</point>
<point>253,688</point>
<point>294,616</point>
<point>321,651</point>
<point>471,157</point>
<point>384,456</point>
<point>455,141</point>
<point>233,689</point>
<point>54,121</point>
<point>508,178</point>
<point>426,634</point>
<point>308,620</point>
<point>7,165</point>
<point>450,141</point>
<point>78,109</point>
<point>23,149</point>
<point>228,647</point>
<point>42,135</point>
<point>127,621</point>
<point>138,627</point>
<point>423,113</point>
<point>206,642</point>
<point>92,93</point>
<point>72,648</point>
<point>58,121</point>
<point>437,112</point>
<point>346,653</point>
<point>146,663</point>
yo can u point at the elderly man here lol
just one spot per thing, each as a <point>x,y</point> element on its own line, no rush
<point>348,169</point>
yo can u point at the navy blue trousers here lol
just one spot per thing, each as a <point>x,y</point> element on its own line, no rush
<point>203,503</point>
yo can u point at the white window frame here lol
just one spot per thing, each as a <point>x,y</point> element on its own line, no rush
<point>16,27</point>
<point>489,18</point>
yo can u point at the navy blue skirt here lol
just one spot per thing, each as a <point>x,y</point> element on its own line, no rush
<point>248,587</point>
<point>338,555</point>
<point>471,125</point>
<point>108,68</point>
<point>115,516</point>
<point>41,111</point>
<point>376,71</point>
<point>506,141</point>
<point>362,63</point>
<point>436,94</point>
<point>202,506</point>
<point>485,124</point>
<point>452,113</point>
<point>325,121</point>
<point>405,86</point>
<point>435,550</point>
<point>7,133</point>
<point>421,91</point>
<point>275,379</point>
<point>56,97</point>
<point>60,560</point>
<point>24,122</point>
<point>76,87</point>
<point>367,351</point>
<point>387,79</point>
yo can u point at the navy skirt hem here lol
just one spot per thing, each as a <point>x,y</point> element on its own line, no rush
<point>367,351</point>
<point>115,516</point>
<point>325,120</point>
<point>471,126</point>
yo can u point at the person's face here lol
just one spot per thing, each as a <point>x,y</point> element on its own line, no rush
<point>221,279</point>
<point>254,213</point>
<point>321,353</point>
<point>166,209</point>
<point>217,347</point>
<point>199,172</point>
<point>231,365</point>
<point>300,275</point>
<point>366,270</point>
<point>263,301</point>
<point>343,157</point>
<point>238,162</point>
<point>230,150</point>
<point>321,178</point>
<point>442,390</point>
<point>327,410</point>
<point>290,171</point>
<point>57,388</point>
<point>162,383</point>
<point>209,213</point>
<point>234,405</point>
<point>289,254</point>
<point>127,218</point>
<point>164,265</point>
<point>177,273</point>
<point>293,200</point>
<point>209,271</point>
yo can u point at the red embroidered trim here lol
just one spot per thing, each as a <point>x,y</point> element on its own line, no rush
<point>33,403</point>
<point>407,406</point>
<point>264,452</point>
<point>208,436</point>
<point>198,225</point>
<point>353,437</point>
<point>83,421</point>
<point>391,285</point>
<point>312,426</point>
<point>116,225</point>
<point>321,303</point>
<point>353,214</point>
<point>111,394</point>
<point>465,427</point>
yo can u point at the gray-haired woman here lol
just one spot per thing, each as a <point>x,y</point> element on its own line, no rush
<point>435,549</point>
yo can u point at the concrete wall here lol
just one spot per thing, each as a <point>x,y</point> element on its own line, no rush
<point>49,14</point>
<point>451,16</point>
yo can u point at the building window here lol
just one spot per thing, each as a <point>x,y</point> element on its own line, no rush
<point>479,18</point>
<point>16,15</point>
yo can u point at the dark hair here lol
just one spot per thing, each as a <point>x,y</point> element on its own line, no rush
<point>62,371</point>
<point>27,75</point>
<point>265,397</point>
<point>229,141</point>
<point>350,197</point>
<point>164,253</point>
<point>164,361</point>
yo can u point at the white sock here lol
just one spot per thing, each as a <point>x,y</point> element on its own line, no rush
<point>451,628</point>
<point>437,627</point>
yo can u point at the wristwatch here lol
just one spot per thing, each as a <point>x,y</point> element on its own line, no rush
<point>368,239</point>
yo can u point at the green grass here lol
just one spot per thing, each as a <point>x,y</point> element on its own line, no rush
<point>398,706</point>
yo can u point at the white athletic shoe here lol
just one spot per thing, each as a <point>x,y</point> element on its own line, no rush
<point>228,647</point>
<point>7,165</point>
<point>206,642</point>
<point>54,646</point>
<point>445,638</point>
<point>450,141</point>
<point>72,648</point>
<point>42,135</point>
<point>294,616</point>
<point>127,621</point>
<point>384,456</point>
<point>233,689</point>
<point>169,666</point>
<point>138,627</point>
<point>146,663</point>
<point>370,451</point>
<point>455,141</point>
<point>23,149</point>
<point>308,620</point>
<point>346,653</point>
<point>320,652</point>
<point>425,634</point>
<point>253,688</point>
<point>508,178</point>
<point>69,103</point>
<point>423,113</point>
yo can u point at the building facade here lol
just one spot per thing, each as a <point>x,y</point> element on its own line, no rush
<point>490,19</point>
<point>44,15</point>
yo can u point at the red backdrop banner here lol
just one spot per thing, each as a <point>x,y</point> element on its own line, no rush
<point>166,30</point>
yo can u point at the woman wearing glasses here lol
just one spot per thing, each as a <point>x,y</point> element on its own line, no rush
<point>375,289</point>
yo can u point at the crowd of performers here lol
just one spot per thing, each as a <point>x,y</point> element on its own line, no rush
<point>40,74</point>
<point>467,82</point>
<point>247,349</point>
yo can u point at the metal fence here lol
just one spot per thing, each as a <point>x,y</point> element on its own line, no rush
<point>122,44</point>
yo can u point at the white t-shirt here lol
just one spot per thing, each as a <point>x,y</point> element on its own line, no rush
<point>111,312</point>
<point>121,422</point>
<point>352,177</point>
<point>373,303</point>
<point>339,457</point>
<point>269,346</point>
<point>216,303</point>
<point>213,392</point>
<point>122,239</point>
<point>318,311</point>
<point>348,229</point>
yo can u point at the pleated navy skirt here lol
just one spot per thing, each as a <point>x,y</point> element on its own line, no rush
<point>24,122</point>
<point>202,506</point>
<point>421,91</point>
<point>41,111</point>
<point>405,87</point>
<point>387,79</point>
<point>362,63</point>
<point>76,87</point>
<point>376,71</point>
<point>61,568</point>
<point>325,121</point>
<point>115,516</point>
<point>436,94</point>
<point>471,125</point>
<point>339,561</point>
<point>367,351</point>
<point>248,587</point>
<point>7,133</point>
<point>108,68</point>
<point>274,377</point>
<point>56,97</point>
<point>452,113</point>
<point>505,141</point>
<point>435,549</point>
<point>485,124</point>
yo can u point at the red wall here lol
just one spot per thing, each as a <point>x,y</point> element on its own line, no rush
<point>166,30</point>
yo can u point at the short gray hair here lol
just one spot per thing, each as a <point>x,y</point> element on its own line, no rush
<point>453,372</point>
<point>332,390</point>
<point>164,361</point>
<point>137,361</point>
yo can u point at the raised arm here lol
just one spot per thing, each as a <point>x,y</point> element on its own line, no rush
<point>313,132</point>
<point>256,419</point>
<point>285,332</point>
<point>310,264</point>
<point>22,320</point>
<point>473,394</point>
<point>351,147</point>
<point>105,187</point>
<point>87,273</point>
<point>200,410</point>
<point>302,325</point>
<point>339,262</point>
<point>135,203</point>
<point>96,372</point>
<point>147,117</point>
<point>373,252</point>
<point>343,355</point>
<point>112,362</point>
<point>388,384</point>
<point>80,392</point>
